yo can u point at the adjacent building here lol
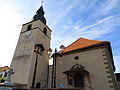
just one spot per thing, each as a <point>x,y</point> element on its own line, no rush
<point>3,73</point>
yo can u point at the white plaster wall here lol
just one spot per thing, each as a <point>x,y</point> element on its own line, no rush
<point>93,62</point>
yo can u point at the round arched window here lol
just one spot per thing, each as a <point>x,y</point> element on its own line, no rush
<point>76,57</point>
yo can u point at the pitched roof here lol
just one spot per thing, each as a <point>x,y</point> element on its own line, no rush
<point>82,43</point>
<point>4,68</point>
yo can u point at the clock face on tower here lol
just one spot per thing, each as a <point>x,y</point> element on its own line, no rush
<point>27,33</point>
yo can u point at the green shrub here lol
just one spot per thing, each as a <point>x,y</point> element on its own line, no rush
<point>2,80</point>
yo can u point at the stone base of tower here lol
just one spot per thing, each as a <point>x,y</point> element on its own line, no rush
<point>19,86</point>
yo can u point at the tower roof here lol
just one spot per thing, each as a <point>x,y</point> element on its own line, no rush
<point>40,15</point>
<point>82,43</point>
<point>40,11</point>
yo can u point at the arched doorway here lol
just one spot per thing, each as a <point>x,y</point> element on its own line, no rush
<point>78,80</point>
<point>38,85</point>
<point>76,76</point>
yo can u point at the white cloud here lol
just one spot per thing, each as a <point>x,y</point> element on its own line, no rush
<point>109,6</point>
<point>96,29</point>
<point>93,31</point>
<point>97,23</point>
<point>103,9</point>
<point>62,12</point>
<point>10,22</point>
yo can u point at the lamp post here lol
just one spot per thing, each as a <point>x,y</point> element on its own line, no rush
<point>54,59</point>
<point>54,55</point>
<point>53,83</point>
<point>37,52</point>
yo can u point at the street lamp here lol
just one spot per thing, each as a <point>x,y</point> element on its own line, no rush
<point>49,51</point>
<point>53,81</point>
<point>62,47</point>
<point>38,48</point>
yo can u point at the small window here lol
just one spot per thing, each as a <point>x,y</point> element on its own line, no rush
<point>29,27</point>
<point>45,31</point>
<point>76,57</point>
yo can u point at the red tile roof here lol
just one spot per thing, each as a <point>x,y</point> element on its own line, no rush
<point>82,43</point>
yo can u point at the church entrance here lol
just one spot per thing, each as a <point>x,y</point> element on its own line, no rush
<point>78,80</point>
<point>38,85</point>
<point>76,76</point>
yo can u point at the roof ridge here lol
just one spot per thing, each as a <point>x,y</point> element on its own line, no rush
<point>72,43</point>
<point>83,38</point>
<point>81,41</point>
<point>92,40</point>
<point>4,66</point>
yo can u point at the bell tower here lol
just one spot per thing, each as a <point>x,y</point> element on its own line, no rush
<point>30,60</point>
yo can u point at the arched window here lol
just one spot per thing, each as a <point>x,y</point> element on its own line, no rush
<point>45,31</point>
<point>29,27</point>
<point>76,57</point>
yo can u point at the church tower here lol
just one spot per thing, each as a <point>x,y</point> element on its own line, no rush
<point>30,60</point>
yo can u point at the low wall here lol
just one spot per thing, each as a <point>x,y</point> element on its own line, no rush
<point>51,89</point>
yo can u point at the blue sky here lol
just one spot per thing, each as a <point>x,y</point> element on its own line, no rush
<point>68,19</point>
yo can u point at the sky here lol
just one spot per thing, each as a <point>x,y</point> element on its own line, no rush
<point>68,19</point>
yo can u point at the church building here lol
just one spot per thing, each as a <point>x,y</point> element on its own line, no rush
<point>85,64</point>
